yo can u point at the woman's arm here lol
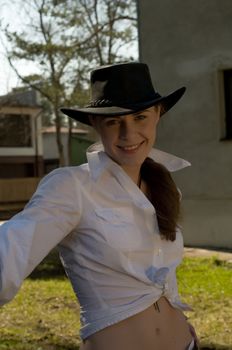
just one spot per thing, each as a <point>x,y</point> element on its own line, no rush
<point>51,214</point>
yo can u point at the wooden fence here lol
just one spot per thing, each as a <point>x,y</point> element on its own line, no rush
<point>15,193</point>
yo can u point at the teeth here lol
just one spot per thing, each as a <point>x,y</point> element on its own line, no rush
<point>130,148</point>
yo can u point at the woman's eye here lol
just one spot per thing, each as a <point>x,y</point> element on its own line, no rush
<point>140,117</point>
<point>110,122</point>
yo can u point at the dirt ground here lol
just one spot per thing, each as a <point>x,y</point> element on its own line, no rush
<point>220,254</point>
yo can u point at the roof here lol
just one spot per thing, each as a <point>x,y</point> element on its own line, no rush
<point>64,129</point>
<point>25,98</point>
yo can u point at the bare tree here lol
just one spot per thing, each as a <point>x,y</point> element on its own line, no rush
<point>66,39</point>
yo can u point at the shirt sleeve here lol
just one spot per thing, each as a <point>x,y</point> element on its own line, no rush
<point>51,214</point>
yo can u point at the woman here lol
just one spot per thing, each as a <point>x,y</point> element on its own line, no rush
<point>115,221</point>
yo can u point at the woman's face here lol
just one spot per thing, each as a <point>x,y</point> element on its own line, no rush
<point>128,139</point>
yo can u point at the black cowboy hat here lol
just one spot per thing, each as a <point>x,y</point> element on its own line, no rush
<point>121,89</point>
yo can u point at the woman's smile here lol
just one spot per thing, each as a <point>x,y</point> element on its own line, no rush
<point>130,149</point>
<point>128,139</point>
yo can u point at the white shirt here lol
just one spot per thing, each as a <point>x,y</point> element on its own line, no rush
<point>108,237</point>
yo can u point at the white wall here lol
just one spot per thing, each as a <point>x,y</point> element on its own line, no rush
<point>189,43</point>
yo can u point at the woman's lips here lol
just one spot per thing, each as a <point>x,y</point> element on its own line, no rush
<point>131,148</point>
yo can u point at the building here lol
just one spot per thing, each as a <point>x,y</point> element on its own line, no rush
<point>28,151</point>
<point>189,43</point>
<point>21,151</point>
<point>79,143</point>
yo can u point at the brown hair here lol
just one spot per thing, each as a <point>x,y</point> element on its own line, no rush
<point>164,196</point>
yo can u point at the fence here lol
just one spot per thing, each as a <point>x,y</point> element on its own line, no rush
<point>14,194</point>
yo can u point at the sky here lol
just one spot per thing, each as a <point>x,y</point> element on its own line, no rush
<point>8,78</point>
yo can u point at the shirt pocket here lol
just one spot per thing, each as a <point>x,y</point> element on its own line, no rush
<point>117,226</point>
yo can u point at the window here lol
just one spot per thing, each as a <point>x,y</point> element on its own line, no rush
<point>15,130</point>
<point>228,102</point>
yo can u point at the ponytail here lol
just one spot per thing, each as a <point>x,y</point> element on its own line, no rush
<point>164,196</point>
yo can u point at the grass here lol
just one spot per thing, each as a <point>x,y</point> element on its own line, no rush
<point>206,284</point>
<point>45,315</point>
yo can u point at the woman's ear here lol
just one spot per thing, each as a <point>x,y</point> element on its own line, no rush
<point>162,109</point>
<point>92,120</point>
<point>158,110</point>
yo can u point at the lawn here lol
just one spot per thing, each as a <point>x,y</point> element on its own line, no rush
<point>206,284</point>
<point>45,314</point>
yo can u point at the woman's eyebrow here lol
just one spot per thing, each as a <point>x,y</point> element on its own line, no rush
<point>118,116</point>
<point>139,112</point>
<point>111,117</point>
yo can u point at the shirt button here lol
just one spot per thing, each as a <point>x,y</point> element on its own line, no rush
<point>159,251</point>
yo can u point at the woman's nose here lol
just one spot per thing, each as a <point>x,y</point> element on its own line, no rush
<point>126,129</point>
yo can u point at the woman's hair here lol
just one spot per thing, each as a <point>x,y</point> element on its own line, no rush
<point>164,196</point>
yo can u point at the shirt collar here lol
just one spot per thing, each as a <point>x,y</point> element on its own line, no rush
<point>98,160</point>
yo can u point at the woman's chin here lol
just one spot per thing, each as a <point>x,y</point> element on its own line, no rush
<point>131,163</point>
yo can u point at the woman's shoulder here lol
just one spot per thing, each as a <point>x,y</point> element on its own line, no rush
<point>68,172</point>
<point>65,177</point>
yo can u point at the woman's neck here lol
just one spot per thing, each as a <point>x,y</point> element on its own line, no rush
<point>134,173</point>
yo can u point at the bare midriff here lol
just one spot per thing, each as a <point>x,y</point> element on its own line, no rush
<point>161,327</point>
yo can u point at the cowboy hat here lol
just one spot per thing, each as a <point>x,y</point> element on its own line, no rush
<point>121,89</point>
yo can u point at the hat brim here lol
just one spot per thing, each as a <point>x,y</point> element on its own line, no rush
<point>82,114</point>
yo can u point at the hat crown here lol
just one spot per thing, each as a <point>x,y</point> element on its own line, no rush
<point>121,84</point>
<point>121,89</point>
